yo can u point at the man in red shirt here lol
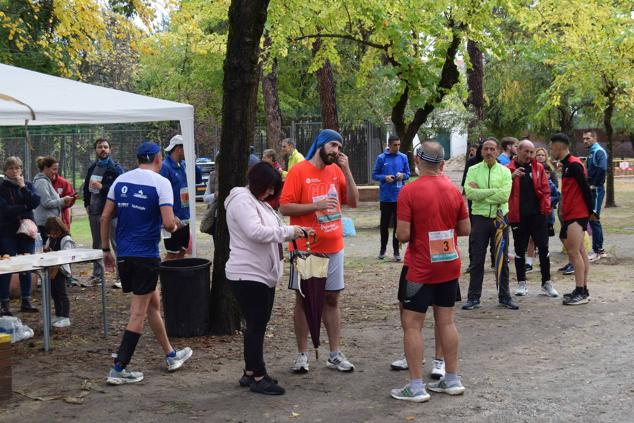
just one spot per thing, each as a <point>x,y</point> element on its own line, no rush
<point>576,211</point>
<point>312,196</point>
<point>431,214</point>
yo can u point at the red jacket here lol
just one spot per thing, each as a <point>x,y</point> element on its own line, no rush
<point>64,188</point>
<point>542,190</point>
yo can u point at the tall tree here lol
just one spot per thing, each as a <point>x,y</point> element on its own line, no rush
<point>475,89</point>
<point>239,101</point>
<point>271,97</point>
<point>327,90</point>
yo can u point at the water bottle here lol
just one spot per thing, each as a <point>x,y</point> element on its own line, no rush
<point>39,245</point>
<point>332,192</point>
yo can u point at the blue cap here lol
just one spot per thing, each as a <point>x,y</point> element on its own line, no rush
<point>148,148</point>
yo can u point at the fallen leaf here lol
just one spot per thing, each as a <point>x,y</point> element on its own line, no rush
<point>294,414</point>
<point>410,418</point>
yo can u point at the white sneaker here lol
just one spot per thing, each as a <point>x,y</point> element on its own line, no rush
<point>548,289</point>
<point>438,371</point>
<point>117,285</point>
<point>522,289</point>
<point>181,357</point>
<point>592,256</point>
<point>301,363</point>
<point>454,389</point>
<point>400,364</point>
<point>61,322</point>
<point>340,362</point>
<point>122,377</point>
<point>406,394</point>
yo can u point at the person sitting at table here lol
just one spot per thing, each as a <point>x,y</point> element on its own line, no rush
<point>17,201</point>
<point>59,239</point>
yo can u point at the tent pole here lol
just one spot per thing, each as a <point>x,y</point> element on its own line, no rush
<point>27,152</point>
<point>187,131</point>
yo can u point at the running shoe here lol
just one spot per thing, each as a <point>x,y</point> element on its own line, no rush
<point>593,256</point>
<point>438,370</point>
<point>400,364</point>
<point>397,258</point>
<point>245,380</point>
<point>266,386</point>
<point>569,270</point>
<point>123,377</point>
<point>174,363</point>
<point>471,304</point>
<point>61,322</point>
<point>549,289</point>
<point>602,253</point>
<point>564,267</point>
<point>116,284</point>
<point>529,268</point>
<point>406,394</point>
<point>585,293</point>
<point>455,388</point>
<point>301,363</point>
<point>522,289</point>
<point>577,298</point>
<point>340,362</point>
<point>508,303</point>
<point>381,255</point>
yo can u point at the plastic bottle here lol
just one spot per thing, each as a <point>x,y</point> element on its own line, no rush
<point>39,245</point>
<point>332,192</point>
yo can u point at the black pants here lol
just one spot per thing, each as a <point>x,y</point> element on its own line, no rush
<point>388,214</point>
<point>60,297</point>
<point>256,302</point>
<point>492,247</point>
<point>535,227</point>
<point>482,231</point>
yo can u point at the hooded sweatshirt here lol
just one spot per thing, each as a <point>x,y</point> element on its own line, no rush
<point>256,236</point>
<point>50,203</point>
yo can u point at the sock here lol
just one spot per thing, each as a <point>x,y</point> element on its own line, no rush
<point>439,359</point>
<point>172,354</point>
<point>117,367</point>
<point>529,261</point>
<point>451,378</point>
<point>333,354</point>
<point>126,349</point>
<point>416,385</point>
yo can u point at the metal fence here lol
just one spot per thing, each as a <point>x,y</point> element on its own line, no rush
<point>74,146</point>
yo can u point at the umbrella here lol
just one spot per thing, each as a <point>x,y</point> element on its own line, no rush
<point>500,225</point>
<point>313,272</point>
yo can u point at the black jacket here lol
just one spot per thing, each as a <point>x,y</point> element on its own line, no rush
<point>15,204</point>
<point>111,173</point>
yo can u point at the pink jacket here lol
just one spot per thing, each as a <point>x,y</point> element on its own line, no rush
<point>256,236</point>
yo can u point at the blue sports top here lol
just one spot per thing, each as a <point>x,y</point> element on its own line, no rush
<point>138,196</point>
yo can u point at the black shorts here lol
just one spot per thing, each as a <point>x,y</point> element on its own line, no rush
<point>139,275</point>
<point>179,241</point>
<point>444,294</point>
<point>563,234</point>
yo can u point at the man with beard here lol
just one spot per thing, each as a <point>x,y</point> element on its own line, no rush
<point>312,196</point>
<point>101,174</point>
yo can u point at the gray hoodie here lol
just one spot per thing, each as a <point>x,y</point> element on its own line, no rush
<point>50,203</point>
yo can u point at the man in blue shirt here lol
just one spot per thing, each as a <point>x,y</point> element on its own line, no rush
<point>391,170</point>
<point>141,200</point>
<point>597,165</point>
<point>509,149</point>
<point>173,169</point>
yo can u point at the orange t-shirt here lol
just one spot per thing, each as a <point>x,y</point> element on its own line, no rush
<point>307,184</point>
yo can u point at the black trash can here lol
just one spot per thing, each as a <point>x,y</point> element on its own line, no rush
<point>185,289</point>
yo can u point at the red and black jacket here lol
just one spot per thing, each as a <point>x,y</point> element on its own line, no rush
<point>540,184</point>
<point>576,198</point>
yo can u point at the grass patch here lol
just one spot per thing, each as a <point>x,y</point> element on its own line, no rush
<point>80,231</point>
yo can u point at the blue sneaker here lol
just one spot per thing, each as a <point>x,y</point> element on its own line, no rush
<point>177,361</point>
<point>471,304</point>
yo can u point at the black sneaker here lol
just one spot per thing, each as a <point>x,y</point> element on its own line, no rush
<point>508,303</point>
<point>471,304</point>
<point>266,386</point>
<point>578,297</point>
<point>564,267</point>
<point>245,380</point>
<point>529,268</point>
<point>585,293</point>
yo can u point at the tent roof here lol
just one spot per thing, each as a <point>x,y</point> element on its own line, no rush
<point>49,100</point>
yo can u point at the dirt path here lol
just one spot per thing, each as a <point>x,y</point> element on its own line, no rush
<point>545,362</point>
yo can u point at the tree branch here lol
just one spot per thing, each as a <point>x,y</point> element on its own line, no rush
<point>344,37</point>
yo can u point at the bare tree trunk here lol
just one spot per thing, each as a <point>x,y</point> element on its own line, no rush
<point>271,101</point>
<point>475,87</point>
<point>609,132</point>
<point>239,102</point>
<point>327,92</point>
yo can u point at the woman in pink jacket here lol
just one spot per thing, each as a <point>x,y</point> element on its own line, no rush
<point>255,264</point>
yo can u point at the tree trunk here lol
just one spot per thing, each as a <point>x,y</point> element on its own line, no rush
<point>609,132</point>
<point>239,102</point>
<point>327,92</point>
<point>475,87</point>
<point>271,101</point>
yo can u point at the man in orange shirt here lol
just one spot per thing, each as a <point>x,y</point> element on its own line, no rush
<point>312,196</point>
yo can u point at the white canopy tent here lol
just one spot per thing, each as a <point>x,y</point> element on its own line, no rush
<point>32,98</point>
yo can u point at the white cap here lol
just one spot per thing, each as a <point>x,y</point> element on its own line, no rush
<point>176,140</point>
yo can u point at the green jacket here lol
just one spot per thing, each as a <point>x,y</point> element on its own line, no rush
<point>494,189</point>
<point>293,159</point>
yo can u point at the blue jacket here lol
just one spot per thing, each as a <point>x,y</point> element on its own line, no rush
<point>597,165</point>
<point>390,164</point>
<point>177,176</point>
<point>555,195</point>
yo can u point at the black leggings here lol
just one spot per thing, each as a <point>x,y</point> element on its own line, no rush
<point>256,302</point>
<point>60,298</point>
<point>388,215</point>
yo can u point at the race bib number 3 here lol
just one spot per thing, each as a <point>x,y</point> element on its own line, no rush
<point>442,246</point>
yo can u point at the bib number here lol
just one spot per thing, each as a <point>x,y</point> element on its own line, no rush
<point>442,246</point>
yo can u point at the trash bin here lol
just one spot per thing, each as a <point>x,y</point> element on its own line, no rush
<point>6,387</point>
<point>185,288</point>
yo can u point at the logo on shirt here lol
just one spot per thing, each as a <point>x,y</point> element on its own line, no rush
<point>124,190</point>
<point>140,195</point>
<point>312,180</point>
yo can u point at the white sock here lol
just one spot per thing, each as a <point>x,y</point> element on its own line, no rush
<point>529,261</point>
